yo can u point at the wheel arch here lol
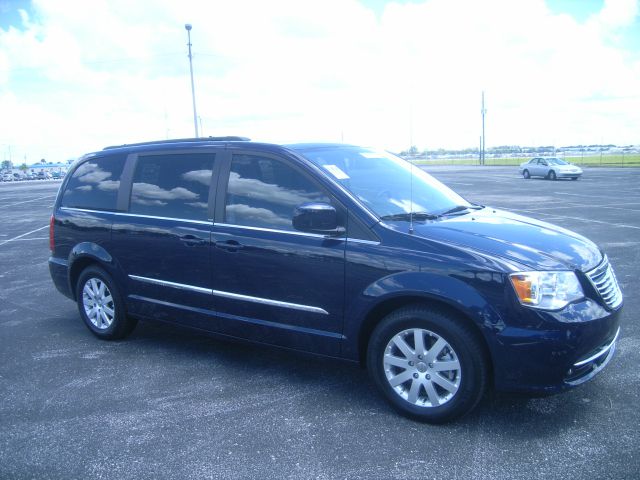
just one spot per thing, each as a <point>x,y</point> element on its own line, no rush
<point>385,307</point>
<point>84,255</point>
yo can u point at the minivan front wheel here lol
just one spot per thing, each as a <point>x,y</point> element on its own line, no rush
<point>427,364</point>
<point>100,305</point>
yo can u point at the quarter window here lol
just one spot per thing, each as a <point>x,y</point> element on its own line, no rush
<point>94,184</point>
<point>264,192</point>
<point>174,186</point>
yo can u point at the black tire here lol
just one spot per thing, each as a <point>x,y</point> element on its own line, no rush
<point>461,346</point>
<point>574,178</point>
<point>526,174</point>
<point>552,175</point>
<point>102,307</point>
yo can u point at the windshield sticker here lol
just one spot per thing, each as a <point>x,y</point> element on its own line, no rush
<point>336,172</point>
<point>370,155</point>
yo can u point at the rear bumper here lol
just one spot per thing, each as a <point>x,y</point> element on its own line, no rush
<point>59,270</point>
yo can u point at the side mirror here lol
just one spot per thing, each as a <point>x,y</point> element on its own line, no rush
<point>320,218</point>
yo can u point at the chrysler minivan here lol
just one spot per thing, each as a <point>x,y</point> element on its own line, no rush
<point>335,250</point>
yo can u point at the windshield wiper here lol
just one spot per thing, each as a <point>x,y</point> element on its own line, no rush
<point>459,208</point>
<point>407,216</point>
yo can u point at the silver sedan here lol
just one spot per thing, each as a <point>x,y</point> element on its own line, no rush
<point>551,168</point>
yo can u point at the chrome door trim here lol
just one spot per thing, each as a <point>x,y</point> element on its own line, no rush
<point>234,296</point>
<point>275,230</point>
<point>268,301</point>
<point>164,283</point>
<point>136,215</point>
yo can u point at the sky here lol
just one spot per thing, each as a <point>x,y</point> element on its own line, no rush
<point>76,76</point>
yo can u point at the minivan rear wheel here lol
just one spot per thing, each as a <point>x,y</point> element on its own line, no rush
<point>100,305</point>
<point>428,364</point>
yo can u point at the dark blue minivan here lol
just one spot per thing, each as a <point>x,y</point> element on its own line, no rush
<point>340,251</point>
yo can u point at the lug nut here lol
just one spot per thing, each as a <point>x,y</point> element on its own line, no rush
<point>415,375</point>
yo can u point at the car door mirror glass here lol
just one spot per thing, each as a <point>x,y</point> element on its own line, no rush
<point>317,217</point>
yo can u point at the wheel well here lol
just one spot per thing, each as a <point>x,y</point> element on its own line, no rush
<point>76,269</point>
<point>380,311</point>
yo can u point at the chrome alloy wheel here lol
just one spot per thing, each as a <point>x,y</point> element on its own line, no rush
<point>98,303</point>
<point>422,367</point>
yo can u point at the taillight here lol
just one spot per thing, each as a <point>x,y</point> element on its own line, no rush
<point>51,241</point>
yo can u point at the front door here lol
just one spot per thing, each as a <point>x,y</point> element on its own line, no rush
<point>271,283</point>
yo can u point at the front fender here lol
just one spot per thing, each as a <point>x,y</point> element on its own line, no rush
<point>454,292</point>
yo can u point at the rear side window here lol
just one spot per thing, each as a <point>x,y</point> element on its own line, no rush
<point>173,186</point>
<point>94,184</point>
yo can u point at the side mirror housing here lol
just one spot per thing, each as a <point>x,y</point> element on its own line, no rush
<point>317,217</point>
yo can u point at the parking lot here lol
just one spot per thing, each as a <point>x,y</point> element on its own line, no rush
<point>170,403</point>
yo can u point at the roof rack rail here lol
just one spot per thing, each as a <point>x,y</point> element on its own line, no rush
<point>182,140</point>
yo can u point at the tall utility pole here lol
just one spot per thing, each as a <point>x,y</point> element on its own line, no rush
<point>193,90</point>
<point>483,111</point>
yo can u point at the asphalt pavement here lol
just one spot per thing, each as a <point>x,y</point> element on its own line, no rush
<point>172,403</point>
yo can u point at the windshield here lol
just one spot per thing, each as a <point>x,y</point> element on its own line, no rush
<point>556,161</point>
<point>383,182</point>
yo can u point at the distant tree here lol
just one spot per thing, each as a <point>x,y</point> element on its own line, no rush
<point>43,161</point>
<point>23,167</point>
<point>7,165</point>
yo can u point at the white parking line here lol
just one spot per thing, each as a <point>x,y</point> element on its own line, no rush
<point>617,193</point>
<point>24,235</point>
<point>574,205</point>
<point>27,201</point>
<point>588,220</point>
<point>28,239</point>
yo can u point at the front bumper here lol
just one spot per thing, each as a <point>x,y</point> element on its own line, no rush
<point>585,369</point>
<point>563,350</point>
<point>568,174</point>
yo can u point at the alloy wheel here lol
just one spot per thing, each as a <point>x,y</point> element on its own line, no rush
<point>422,367</point>
<point>98,303</point>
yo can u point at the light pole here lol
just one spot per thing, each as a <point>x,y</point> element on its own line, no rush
<point>483,111</point>
<point>193,90</point>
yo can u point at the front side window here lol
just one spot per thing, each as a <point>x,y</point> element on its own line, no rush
<point>94,184</point>
<point>173,186</point>
<point>264,192</point>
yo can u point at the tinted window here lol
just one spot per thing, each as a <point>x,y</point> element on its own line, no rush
<point>94,184</point>
<point>175,186</point>
<point>264,192</point>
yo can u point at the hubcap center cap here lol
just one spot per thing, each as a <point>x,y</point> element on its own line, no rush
<point>421,367</point>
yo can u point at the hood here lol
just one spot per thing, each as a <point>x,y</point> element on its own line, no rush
<point>532,243</point>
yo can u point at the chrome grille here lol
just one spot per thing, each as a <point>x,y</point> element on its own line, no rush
<point>606,284</point>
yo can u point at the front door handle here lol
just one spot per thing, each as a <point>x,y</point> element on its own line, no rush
<point>192,240</point>
<point>229,245</point>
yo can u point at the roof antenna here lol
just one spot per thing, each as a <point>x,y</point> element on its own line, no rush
<point>411,200</point>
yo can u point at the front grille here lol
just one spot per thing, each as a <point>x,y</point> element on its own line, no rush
<point>606,284</point>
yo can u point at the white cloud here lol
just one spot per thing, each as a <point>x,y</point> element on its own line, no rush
<point>82,75</point>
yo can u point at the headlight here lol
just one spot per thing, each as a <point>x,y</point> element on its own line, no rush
<point>546,290</point>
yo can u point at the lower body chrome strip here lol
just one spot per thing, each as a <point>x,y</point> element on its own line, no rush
<point>234,296</point>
